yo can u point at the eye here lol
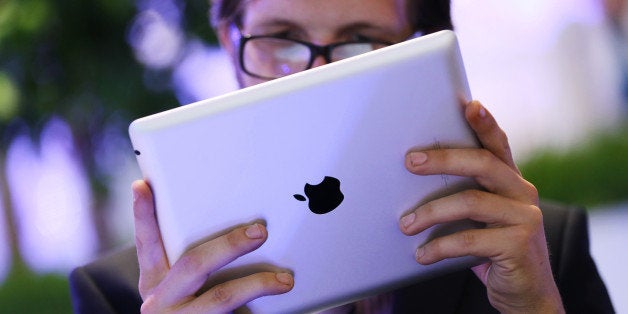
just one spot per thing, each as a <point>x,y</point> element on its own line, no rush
<point>280,34</point>
<point>364,38</point>
<point>288,33</point>
<point>359,37</point>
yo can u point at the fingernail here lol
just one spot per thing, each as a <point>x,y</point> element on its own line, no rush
<point>135,196</point>
<point>254,232</point>
<point>408,220</point>
<point>482,112</point>
<point>419,253</point>
<point>418,158</point>
<point>284,278</point>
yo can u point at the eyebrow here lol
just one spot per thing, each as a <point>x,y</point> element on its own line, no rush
<point>278,21</point>
<point>360,26</point>
<point>349,28</point>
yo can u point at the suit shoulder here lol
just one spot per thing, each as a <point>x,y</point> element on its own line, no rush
<point>575,272</point>
<point>107,285</point>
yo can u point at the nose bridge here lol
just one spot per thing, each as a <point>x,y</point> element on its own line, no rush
<point>320,55</point>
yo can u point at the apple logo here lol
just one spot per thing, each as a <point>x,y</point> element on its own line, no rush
<point>324,197</point>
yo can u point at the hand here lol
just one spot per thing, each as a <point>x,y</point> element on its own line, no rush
<point>165,288</point>
<point>518,276</point>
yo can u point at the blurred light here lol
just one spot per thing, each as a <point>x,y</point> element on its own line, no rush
<point>170,10</point>
<point>33,15</point>
<point>523,26</point>
<point>203,73</point>
<point>545,68</point>
<point>5,252</point>
<point>24,16</point>
<point>114,156</point>
<point>9,97</point>
<point>52,200</point>
<point>7,16</point>
<point>119,208</point>
<point>156,42</point>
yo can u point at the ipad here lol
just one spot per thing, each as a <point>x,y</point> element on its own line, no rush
<point>317,157</point>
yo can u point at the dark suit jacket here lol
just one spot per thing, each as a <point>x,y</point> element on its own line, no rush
<point>109,285</point>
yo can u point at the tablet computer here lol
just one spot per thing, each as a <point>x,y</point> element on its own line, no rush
<point>318,157</point>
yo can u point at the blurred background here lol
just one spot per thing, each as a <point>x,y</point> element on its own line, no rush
<point>73,74</point>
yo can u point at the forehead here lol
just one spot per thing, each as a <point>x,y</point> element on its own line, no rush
<point>327,13</point>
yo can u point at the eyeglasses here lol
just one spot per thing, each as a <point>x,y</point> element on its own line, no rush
<point>270,57</point>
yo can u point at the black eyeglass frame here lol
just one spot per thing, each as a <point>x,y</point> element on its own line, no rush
<point>315,50</point>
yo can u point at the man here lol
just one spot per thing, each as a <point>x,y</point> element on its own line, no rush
<point>258,34</point>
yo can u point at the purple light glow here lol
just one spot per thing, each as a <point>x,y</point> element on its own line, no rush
<point>51,201</point>
<point>204,72</point>
<point>169,10</point>
<point>156,42</point>
<point>535,62</point>
<point>5,253</point>
<point>523,26</point>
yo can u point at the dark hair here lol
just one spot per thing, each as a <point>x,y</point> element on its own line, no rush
<point>427,16</point>
<point>431,16</point>
<point>226,12</point>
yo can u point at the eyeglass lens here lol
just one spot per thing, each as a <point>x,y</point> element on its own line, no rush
<point>275,57</point>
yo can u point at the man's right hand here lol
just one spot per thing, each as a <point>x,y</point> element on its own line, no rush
<point>169,288</point>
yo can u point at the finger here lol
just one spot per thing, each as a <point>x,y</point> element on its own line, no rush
<point>480,206</point>
<point>230,295</point>
<point>150,251</point>
<point>190,272</point>
<point>488,243</point>
<point>492,137</point>
<point>483,166</point>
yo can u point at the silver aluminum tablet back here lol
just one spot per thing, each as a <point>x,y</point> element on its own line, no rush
<point>247,156</point>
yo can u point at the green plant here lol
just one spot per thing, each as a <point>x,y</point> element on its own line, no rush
<point>594,174</point>
<point>26,292</point>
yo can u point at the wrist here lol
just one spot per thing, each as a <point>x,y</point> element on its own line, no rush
<point>550,303</point>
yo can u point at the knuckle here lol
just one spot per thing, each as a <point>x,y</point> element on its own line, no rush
<point>220,295</point>
<point>523,237</point>
<point>536,216</point>
<point>190,261</point>
<point>428,210</point>
<point>467,239</point>
<point>471,198</point>
<point>233,239</point>
<point>532,192</point>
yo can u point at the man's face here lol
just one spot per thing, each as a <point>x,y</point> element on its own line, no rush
<point>321,22</point>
